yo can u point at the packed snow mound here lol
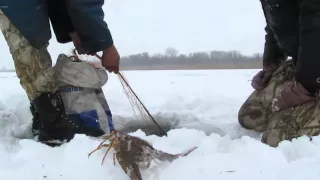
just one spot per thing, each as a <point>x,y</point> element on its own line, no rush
<point>217,157</point>
<point>199,109</point>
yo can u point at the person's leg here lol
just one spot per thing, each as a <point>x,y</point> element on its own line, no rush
<point>35,120</point>
<point>254,113</point>
<point>33,68</point>
<point>292,123</point>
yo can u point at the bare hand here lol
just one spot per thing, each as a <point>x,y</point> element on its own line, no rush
<point>111,59</point>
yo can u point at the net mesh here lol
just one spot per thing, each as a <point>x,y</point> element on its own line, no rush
<point>136,103</point>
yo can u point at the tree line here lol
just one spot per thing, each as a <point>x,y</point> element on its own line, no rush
<point>172,59</point>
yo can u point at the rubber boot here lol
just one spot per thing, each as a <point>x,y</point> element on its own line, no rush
<point>55,127</point>
<point>35,120</point>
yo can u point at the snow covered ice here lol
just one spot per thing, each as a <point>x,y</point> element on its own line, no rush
<point>202,106</point>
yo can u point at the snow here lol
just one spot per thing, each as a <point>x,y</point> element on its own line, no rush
<point>200,108</point>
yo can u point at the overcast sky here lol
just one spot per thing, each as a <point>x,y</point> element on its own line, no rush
<point>188,25</point>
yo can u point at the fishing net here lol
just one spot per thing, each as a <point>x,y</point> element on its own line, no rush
<point>136,104</point>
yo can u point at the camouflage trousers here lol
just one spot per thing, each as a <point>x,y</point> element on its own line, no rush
<point>33,66</point>
<point>287,124</point>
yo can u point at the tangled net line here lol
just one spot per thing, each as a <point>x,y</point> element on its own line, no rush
<point>135,102</point>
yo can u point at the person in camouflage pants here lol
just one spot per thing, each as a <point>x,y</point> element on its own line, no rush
<point>32,64</point>
<point>257,112</point>
<point>26,28</point>
<point>285,103</point>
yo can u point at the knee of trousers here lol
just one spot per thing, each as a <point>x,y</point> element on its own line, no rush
<point>252,116</point>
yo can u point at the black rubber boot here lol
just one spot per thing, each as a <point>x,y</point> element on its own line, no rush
<point>54,125</point>
<point>35,120</point>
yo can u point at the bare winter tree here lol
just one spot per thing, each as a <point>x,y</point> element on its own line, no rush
<point>171,52</point>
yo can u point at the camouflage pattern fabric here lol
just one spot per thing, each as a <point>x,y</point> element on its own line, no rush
<point>256,113</point>
<point>33,66</point>
<point>287,124</point>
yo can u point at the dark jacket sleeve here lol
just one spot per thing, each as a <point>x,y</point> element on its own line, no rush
<point>88,20</point>
<point>308,63</point>
<point>272,53</point>
<point>60,20</point>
